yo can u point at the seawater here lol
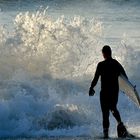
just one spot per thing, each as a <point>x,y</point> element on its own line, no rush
<point>48,55</point>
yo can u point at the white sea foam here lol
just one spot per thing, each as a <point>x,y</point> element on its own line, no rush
<point>46,66</point>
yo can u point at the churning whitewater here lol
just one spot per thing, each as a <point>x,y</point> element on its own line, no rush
<point>46,66</point>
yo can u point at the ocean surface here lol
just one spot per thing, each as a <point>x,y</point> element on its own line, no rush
<point>49,50</point>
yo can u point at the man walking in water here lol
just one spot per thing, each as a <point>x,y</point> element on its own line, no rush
<point>109,71</point>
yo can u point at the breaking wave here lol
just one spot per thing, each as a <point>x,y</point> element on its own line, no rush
<point>46,66</point>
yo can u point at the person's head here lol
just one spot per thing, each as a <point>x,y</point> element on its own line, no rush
<point>107,53</point>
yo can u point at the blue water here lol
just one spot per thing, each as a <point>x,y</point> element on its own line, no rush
<point>49,50</point>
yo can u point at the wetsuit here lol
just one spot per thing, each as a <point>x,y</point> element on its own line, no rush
<point>109,70</point>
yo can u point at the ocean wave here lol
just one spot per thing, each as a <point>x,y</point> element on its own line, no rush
<point>46,68</point>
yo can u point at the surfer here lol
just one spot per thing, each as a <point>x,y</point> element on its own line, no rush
<point>109,71</point>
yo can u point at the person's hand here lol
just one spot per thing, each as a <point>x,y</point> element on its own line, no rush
<point>91,92</point>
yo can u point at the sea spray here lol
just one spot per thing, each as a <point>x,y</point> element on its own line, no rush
<point>46,66</point>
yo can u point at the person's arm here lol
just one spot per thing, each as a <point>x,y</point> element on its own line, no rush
<point>122,71</point>
<point>96,77</point>
<point>94,81</point>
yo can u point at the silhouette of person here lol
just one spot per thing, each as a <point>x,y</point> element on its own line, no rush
<point>109,71</point>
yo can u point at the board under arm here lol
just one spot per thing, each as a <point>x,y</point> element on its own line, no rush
<point>122,71</point>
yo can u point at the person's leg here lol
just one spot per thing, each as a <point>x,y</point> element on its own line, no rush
<point>113,106</point>
<point>106,124</point>
<point>105,114</point>
<point>121,130</point>
<point>116,114</point>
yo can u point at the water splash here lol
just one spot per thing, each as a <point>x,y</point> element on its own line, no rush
<point>46,67</point>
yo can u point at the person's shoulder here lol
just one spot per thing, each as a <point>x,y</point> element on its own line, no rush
<point>115,61</point>
<point>101,63</point>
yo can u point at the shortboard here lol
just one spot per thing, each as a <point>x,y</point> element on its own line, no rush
<point>129,89</point>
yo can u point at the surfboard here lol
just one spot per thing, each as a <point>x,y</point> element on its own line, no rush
<point>129,89</point>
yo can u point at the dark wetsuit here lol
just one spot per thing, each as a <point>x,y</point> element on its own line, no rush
<point>109,70</point>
